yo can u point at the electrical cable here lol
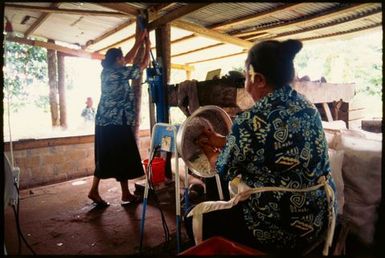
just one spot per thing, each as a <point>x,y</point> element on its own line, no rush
<point>155,197</point>
<point>16,211</point>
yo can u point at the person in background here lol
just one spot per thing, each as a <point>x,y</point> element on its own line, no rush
<point>278,153</point>
<point>88,113</point>
<point>116,151</point>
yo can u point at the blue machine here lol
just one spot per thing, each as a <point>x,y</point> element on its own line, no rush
<point>155,80</point>
<point>161,133</point>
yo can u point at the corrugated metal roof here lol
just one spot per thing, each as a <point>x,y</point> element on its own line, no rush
<point>306,20</point>
<point>220,12</point>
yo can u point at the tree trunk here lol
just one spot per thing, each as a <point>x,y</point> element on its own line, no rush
<point>137,85</point>
<point>61,86</point>
<point>52,81</point>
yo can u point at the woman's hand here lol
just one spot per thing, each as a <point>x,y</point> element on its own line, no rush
<point>130,56</point>
<point>209,150</point>
<point>215,139</point>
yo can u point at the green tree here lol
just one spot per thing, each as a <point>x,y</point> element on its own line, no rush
<point>24,67</point>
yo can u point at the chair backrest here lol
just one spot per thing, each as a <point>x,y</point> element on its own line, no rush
<point>164,136</point>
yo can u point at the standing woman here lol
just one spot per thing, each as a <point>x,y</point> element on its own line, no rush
<point>116,152</point>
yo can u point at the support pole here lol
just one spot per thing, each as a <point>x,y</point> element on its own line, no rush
<point>137,84</point>
<point>52,81</point>
<point>61,88</point>
<point>162,36</point>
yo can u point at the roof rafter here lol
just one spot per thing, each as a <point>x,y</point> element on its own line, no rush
<point>253,17</point>
<point>153,10</point>
<point>64,10</point>
<point>175,14</point>
<point>48,45</point>
<point>336,34</point>
<point>222,37</point>
<point>328,25</point>
<point>76,52</point>
<point>121,7</point>
<point>217,58</point>
<point>39,21</point>
<point>303,21</point>
<point>111,32</point>
<point>198,49</point>
<point>117,44</point>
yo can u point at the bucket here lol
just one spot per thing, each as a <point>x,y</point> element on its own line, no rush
<point>158,169</point>
<point>218,245</point>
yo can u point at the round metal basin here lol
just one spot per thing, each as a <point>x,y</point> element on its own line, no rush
<point>210,116</point>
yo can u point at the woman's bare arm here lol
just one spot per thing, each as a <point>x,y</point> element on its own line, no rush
<point>130,56</point>
<point>146,57</point>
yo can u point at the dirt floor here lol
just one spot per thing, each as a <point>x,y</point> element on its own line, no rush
<point>59,219</point>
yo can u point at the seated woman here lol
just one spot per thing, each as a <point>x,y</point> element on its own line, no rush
<point>279,150</point>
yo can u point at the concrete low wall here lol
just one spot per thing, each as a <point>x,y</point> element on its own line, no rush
<point>47,161</point>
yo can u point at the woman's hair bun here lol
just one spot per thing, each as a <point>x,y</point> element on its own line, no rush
<point>110,57</point>
<point>291,47</point>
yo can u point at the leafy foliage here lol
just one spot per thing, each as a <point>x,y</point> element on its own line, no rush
<point>357,60</point>
<point>24,68</point>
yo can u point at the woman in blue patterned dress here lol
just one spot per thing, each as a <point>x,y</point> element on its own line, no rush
<point>278,148</point>
<point>116,152</point>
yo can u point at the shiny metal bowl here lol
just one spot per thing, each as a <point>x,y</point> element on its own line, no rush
<point>209,116</point>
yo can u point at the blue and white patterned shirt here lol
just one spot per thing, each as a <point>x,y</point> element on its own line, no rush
<point>279,142</point>
<point>117,97</point>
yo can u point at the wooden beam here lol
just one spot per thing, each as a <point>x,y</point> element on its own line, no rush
<point>121,7</point>
<point>75,52</point>
<point>182,67</point>
<point>64,11</point>
<point>253,17</point>
<point>162,6</point>
<point>304,20</point>
<point>39,21</point>
<point>111,32</point>
<point>222,37</point>
<point>180,39</point>
<point>61,90</point>
<point>117,44</point>
<point>47,45</point>
<point>217,58</point>
<point>327,112</point>
<point>329,25</point>
<point>197,50</point>
<point>175,14</point>
<point>184,38</point>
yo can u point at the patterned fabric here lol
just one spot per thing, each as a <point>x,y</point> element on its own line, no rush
<point>280,142</point>
<point>88,113</point>
<point>117,97</point>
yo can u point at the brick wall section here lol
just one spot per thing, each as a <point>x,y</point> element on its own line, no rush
<point>47,161</point>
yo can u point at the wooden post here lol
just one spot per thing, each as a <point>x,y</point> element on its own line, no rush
<point>137,84</point>
<point>52,81</point>
<point>162,36</point>
<point>327,111</point>
<point>188,74</point>
<point>61,87</point>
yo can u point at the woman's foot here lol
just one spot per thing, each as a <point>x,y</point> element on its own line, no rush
<point>130,199</point>
<point>95,197</point>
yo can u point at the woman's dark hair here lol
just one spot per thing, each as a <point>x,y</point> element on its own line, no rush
<point>110,57</point>
<point>274,59</point>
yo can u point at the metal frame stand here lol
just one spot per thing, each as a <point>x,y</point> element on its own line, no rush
<point>161,130</point>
